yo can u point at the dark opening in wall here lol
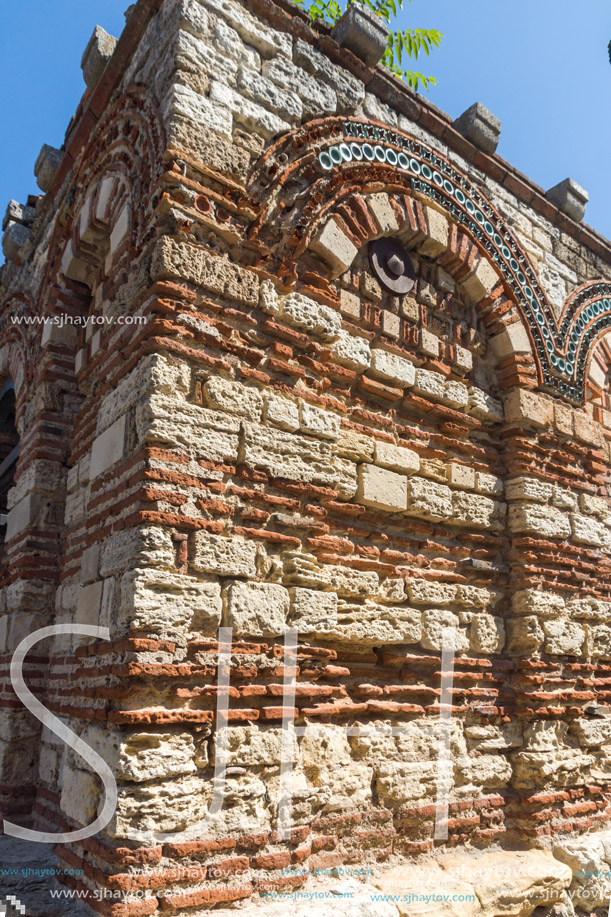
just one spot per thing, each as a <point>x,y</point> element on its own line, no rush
<point>9,447</point>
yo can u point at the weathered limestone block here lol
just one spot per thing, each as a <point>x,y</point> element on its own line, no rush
<point>160,806</point>
<point>155,374</point>
<point>488,484</point>
<point>601,641</point>
<point>534,602</point>
<point>143,546</point>
<point>434,622</point>
<point>233,397</point>
<point>392,368</point>
<point>430,384</point>
<point>397,783</point>
<point>324,745</point>
<point>456,394</point>
<point>474,510</point>
<point>252,31</point>
<point>588,860</point>
<point>285,455</point>
<point>257,609</point>
<point>486,634</point>
<point>183,109</point>
<point>107,448</point>
<point>79,796</point>
<point>397,458</point>
<point>484,406</point>
<point>594,506</point>
<point>392,589</point>
<point>46,166</point>
<point>310,316</point>
<point>269,94</point>
<point>595,731</point>
<point>89,604</point>
<point>563,638</point>
<point>544,521</point>
<point>312,611</point>
<point>512,340</point>
<point>428,499</point>
<point>381,489</point>
<point>352,583</point>
<point>492,772</point>
<point>529,489</point>
<point>589,608</point>
<point>349,789</point>
<point>587,430</point>
<point>169,605</point>
<point>186,262</point>
<point>524,635</point>
<point>587,530</point>
<point>494,738</point>
<point>350,90</point>
<point>425,592</point>
<point>281,412</point>
<point>224,556</point>
<point>541,769</point>
<point>305,570</point>
<point>481,281</point>
<point>334,247</point>
<point>372,624</point>
<point>460,475</point>
<point>355,446</point>
<point>96,55</point>
<point>317,97</point>
<point>317,422</point>
<point>352,351</point>
<point>382,212</point>
<point>156,755</point>
<point>474,596</point>
<point>532,408</point>
<point>213,435</point>
<point>257,746</point>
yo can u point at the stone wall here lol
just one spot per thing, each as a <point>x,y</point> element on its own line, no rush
<point>284,443</point>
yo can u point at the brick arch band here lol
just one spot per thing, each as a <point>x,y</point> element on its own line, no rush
<point>315,178</point>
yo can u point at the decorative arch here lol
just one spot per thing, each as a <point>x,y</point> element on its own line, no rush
<point>336,158</point>
<point>111,196</point>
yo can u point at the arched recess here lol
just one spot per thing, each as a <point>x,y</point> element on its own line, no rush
<point>307,181</point>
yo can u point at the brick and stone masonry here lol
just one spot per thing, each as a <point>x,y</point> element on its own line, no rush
<point>285,441</point>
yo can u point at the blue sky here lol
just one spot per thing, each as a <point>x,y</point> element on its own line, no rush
<point>540,65</point>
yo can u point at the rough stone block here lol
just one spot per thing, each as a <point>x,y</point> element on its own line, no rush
<point>382,212</point>
<point>587,530</point>
<point>460,475</point>
<point>89,604</point>
<point>316,422</point>
<point>352,351</point>
<point>488,484</point>
<point>98,52</point>
<point>463,359</point>
<point>587,430</point>
<point>430,384</point>
<point>23,514</point>
<point>257,609</point>
<point>169,605</point>
<point>14,238</point>
<point>484,406</point>
<point>481,281</point>
<point>392,368</point>
<point>186,262</point>
<point>352,583</point>
<point>536,519</point>
<point>474,510</point>
<point>281,412</point>
<point>535,602</point>
<point>311,317</point>
<point>529,489</point>
<point>381,489</point>
<point>569,197</point>
<point>233,397</point>
<point>318,98</point>
<point>348,88</point>
<point>212,435</point>
<point>513,339</point>
<point>312,611</point>
<point>524,636</point>
<point>434,622</point>
<point>363,33</point>
<point>530,408</point>
<point>425,592</point>
<point>108,448</point>
<point>390,323</point>
<point>90,562</point>
<point>223,556</point>
<point>355,446</point>
<point>396,458</point>
<point>456,394</point>
<point>428,499</point>
<point>438,233</point>
<point>334,247</point>
<point>480,126</point>
<point>563,638</point>
<point>429,344</point>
